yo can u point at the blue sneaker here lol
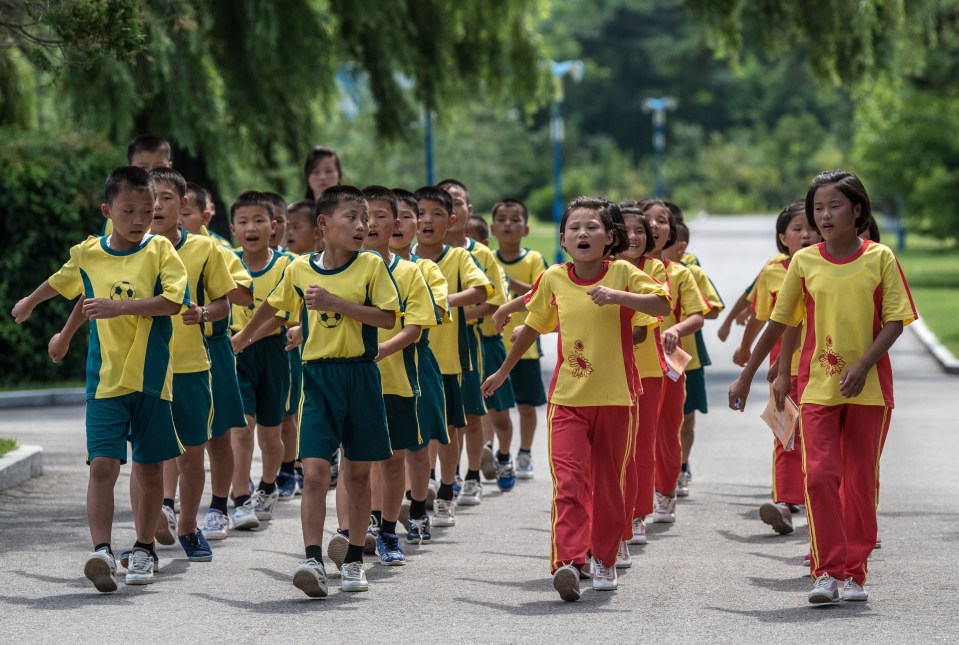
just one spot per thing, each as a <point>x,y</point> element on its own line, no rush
<point>388,546</point>
<point>299,481</point>
<point>505,475</point>
<point>196,547</point>
<point>285,486</point>
<point>334,469</point>
<point>457,485</point>
<point>418,530</point>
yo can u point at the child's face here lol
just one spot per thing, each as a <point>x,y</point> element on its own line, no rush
<point>301,232</point>
<point>475,231</point>
<point>150,160</point>
<point>434,222</point>
<point>346,228</point>
<point>381,227</point>
<point>191,217</point>
<point>462,210</point>
<point>131,213</point>
<point>658,219</point>
<point>585,237</point>
<point>252,227</point>
<point>323,175</point>
<point>834,213</point>
<point>509,228</point>
<point>166,208</point>
<point>279,231</point>
<point>798,234</point>
<point>637,239</point>
<point>405,229</point>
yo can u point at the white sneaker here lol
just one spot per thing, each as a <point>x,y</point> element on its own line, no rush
<point>336,549</point>
<point>852,591</point>
<point>664,509</point>
<point>443,513</point>
<point>488,463</point>
<point>777,516</point>
<point>623,559</point>
<point>244,517</point>
<point>215,525</point>
<point>432,488</point>
<point>263,504</point>
<point>604,578</point>
<point>682,484</point>
<point>309,576</point>
<point>639,532</point>
<point>825,590</point>
<point>353,577</point>
<point>141,568</point>
<point>101,569</point>
<point>524,466</point>
<point>472,493</point>
<point>566,582</point>
<point>166,527</point>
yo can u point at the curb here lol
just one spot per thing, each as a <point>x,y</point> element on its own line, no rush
<point>42,398</point>
<point>948,362</point>
<point>20,465</point>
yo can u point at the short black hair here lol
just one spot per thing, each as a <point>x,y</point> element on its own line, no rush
<point>480,223</point>
<point>303,207</point>
<point>408,198</point>
<point>278,202</point>
<point>199,195</point>
<point>336,195</point>
<point>170,176</point>
<point>147,143</point>
<point>509,201</point>
<point>376,193</point>
<point>128,179</point>
<point>638,212</point>
<point>609,215</point>
<point>251,198</point>
<point>435,194</point>
<point>682,232</point>
<point>646,204</point>
<point>675,211</point>
<point>449,181</point>
<point>785,216</point>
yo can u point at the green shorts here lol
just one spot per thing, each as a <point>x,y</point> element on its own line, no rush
<point>227,401</point>
<point>473,402</point>
<point>263,370</point>
<point>527,381</point>
<point>402,422</point>
<point>147,421</point>
<point>192,407</point>
<point>342,403</point>
<point>695,391</point>
<point>296,381</point>
<point>431,404</point>
<point>494,353</point>
<point>453,393</point>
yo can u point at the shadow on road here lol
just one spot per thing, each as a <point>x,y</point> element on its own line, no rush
<point>804,614</point>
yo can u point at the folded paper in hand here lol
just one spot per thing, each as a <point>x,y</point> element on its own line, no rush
<point>677,362</point>
<point>782,422</point>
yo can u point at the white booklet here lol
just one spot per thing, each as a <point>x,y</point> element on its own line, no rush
<point>782,422</point>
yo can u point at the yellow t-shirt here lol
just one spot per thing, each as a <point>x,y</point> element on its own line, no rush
<point>399,369</point>
<point>209,279</point>
<point>264,281</point>
<point>241,277</point>
<point>438,288</point>
<point>685,298</point>
<point>766,290</point>
<point>751,289</point>
<point>690,260</point>
<point>364,280</point>
<point>497,277</point>
<point>843,304</point>
<point>128,353</point>
<point>649,356</point>
<point>595,363</point>
<point>529,266</point>
<point>715,302</point>
<point>448,341</point>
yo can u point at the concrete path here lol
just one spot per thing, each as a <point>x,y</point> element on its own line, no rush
<point>717,575</point>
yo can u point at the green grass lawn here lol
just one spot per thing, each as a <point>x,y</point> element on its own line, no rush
<point>932,270</point>
<point>543,237</point>
<point>6,445</point>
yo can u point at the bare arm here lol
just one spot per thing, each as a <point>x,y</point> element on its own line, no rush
<point>218,309</point>
<point>639,335</point>
<point>22,310</point>
<point>853,380</point>
<point>104,308</point>
<point>687,327</point>
<point>59,344</point>
<point>481,311</point>
<point>741,306</point>
<point>241,296</point>
<point>739,390</point>
<point>753,327</point>
<point>246,336</point>
<point>504,312</point>
<point>519,287</point>
<point>782,379</point>
<point>405,338</point>
<point>522,342</point>
<point>647,303</point>
<point>471,296</point>
<point>319,299</point>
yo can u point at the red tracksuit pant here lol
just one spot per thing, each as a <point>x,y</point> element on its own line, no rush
<point>841,446</point>
<point>789,484</point>
<point>640,472</point>
<point>669,450</point>
<point>588,451</point>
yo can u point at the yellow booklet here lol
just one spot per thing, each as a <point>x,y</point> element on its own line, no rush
<point>677,362</point>
<point>782,422</point>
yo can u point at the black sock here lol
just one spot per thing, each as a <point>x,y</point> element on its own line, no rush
<point>388,527</point>
<point>409,495</point>
<point>106,546</point>
<point>314,551</point>
<point>144,546</point>
<point>354,553</point>
<point>377,517</point>
<point>168,502</point>
<point>457,469</point>
<point>432,473</point>
<point>472,474</point>
<point>218,504</point>
<point>267,488</point>
<point>417,509</point>
<point>685,467</point>
<point>501,457</point>
<point>344,532</point>
<point>287,467</point>
<point>240,500</point>
<point>445,493</point>
<point>525,452</point>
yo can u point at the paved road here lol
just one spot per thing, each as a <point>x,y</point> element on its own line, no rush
<point>717,575</point>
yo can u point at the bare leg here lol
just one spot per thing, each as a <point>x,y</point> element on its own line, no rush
<point>291,426</point>
<point>242,441</point>
<point>393,474</point>
<point>687,434</point>
<point>358,490</point>
<point>316,483</point>
<point>527,426</point>
<point>474,441</point>
<point>503,427</point>
<point>342,495</point>
<point>192,480</point>
<point>221,464</point>
<point>418,471</point>
<point>171,476</point>
<point>103,477</point>
<point>149,500</point>
<point>270,439</point>
<point>449,456</point>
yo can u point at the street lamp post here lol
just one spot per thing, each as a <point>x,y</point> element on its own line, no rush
<point>560,69</point>
<point>428,136</point>
<point>658,107</point>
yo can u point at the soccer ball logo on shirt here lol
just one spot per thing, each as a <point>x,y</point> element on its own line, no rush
<point>122,290</point>
<point>330,319</point>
